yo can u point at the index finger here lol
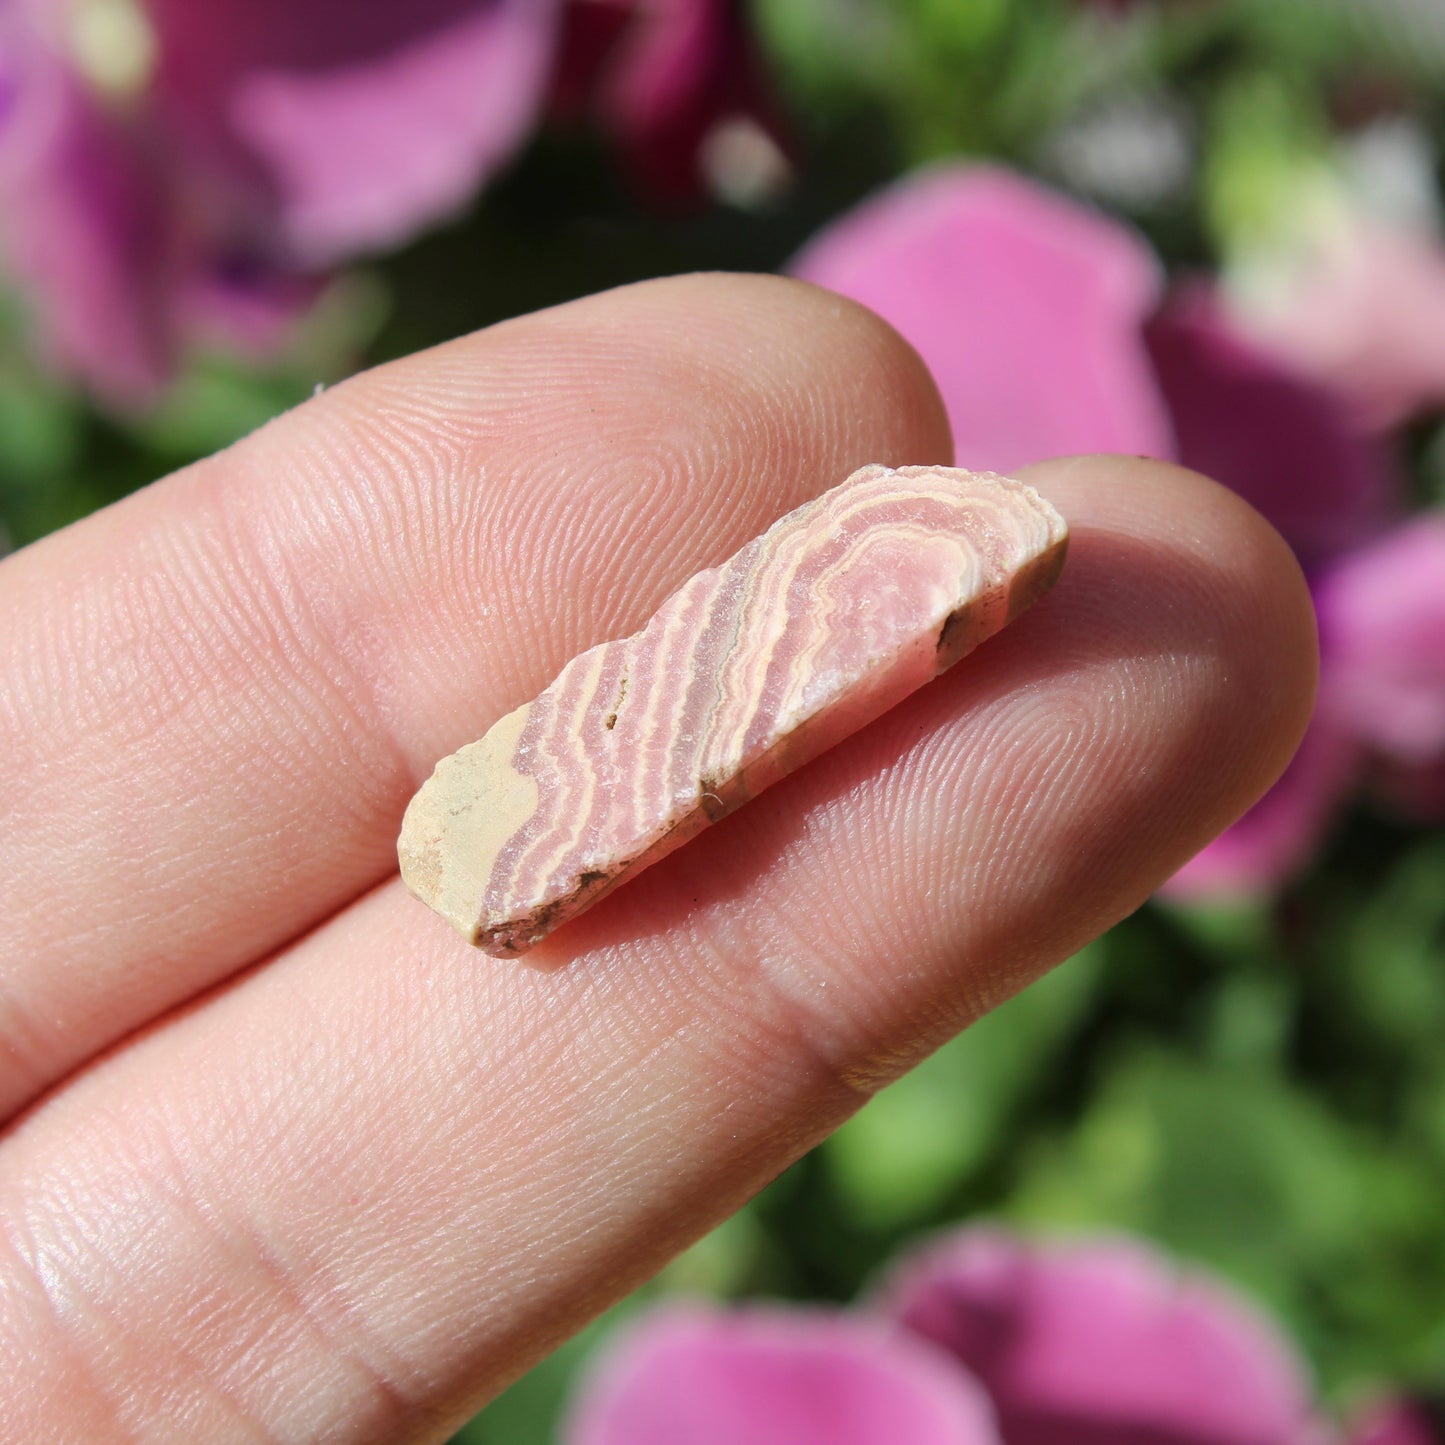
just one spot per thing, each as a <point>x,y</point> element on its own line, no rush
<point>221,693</point>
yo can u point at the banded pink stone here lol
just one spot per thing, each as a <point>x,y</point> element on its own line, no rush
<point>836,613</point>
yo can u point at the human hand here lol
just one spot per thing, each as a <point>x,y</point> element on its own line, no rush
<point>288,1160</point>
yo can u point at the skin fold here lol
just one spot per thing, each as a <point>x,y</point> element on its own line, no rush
<point>286,1159</point>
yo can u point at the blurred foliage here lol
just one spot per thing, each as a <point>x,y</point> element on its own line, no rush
<point>1261,1090</point>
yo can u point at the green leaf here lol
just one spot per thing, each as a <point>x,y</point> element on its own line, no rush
<point>1268,160</point>
<point>1397,950</point>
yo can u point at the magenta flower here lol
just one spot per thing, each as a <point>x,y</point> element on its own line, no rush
<point>981,1339</point>
<point>1044,325</point>
<point>172,170</point>
<point>1027,308</point>
<point>1363,310</point>
<point>168,169</point>
<point>1281,441</point>
<point>688,1375</point>
<point>1382,611</point>
<point>350,126</point>
<point>1104,1341</point>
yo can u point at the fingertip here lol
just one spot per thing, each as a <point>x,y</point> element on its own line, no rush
<point>1249,591</point>
<point>882,358</point>
<point>597,454</point>
<point>824,358</point>
<point>1006,814</point>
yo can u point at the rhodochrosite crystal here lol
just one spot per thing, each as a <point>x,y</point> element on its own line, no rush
<point>811,631</point>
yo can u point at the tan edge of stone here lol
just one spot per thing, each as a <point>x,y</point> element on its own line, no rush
<point>461,819</point>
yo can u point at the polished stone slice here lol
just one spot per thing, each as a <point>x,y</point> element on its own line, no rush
<point>836,613</point>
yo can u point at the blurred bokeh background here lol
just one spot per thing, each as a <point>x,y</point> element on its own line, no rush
<point>1203,229</point>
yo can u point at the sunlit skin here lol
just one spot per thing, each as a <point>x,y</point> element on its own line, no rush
<point>287,1158</point>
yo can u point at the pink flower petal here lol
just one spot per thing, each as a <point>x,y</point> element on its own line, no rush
<point>687,1375</point>
<point>1382,621</point>
<point>243,304</point>
<point>1026,307</point>
<point>1365,314</point>
<point>271,137</point>
<point>353,123</point>
<point>83,231</point>
<point>1284,443</point>
<point>1104,1343</point>
<point>1277,837</point>
<point>363,157</point>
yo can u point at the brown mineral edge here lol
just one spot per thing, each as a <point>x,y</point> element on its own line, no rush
<point>837,612</point>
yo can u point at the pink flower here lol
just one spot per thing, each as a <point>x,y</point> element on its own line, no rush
<point>1044,325</point>
<point>1291,448</point>
<point>80,223</point>
<point>688,1375</point>
<point>169,167</point>
<point>1281,441</point>
<point>172,170</point>
<point>1104,1341</point>
<point>1364,312</point>
<point>342,126</point>
<point>1382,612</point>
<point>1027,308</point>
<point>994,1340</point>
